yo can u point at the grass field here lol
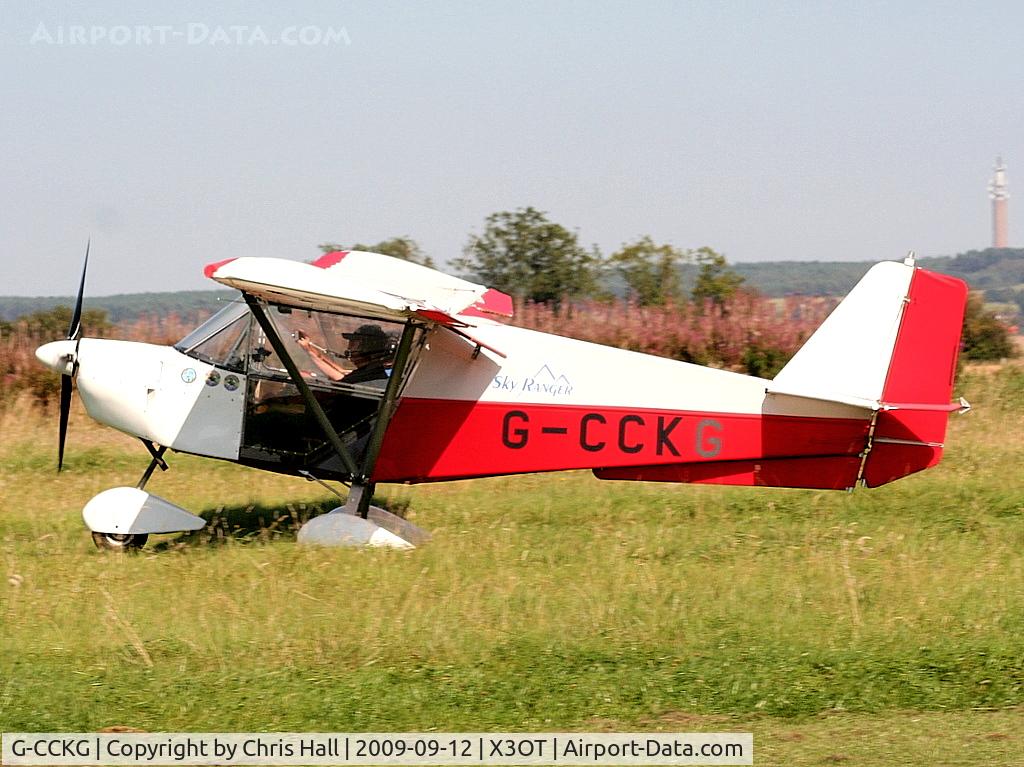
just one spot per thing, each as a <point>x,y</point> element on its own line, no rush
<point>880,627</point>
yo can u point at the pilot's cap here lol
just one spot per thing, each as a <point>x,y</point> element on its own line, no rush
<point>368,338</point>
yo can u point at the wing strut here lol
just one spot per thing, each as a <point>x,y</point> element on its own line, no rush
<point>311,403</point>
<point>362,488</point>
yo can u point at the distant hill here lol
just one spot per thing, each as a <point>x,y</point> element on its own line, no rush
<point>806,278</point>
<point>125,307</point>
<point>999,272</point>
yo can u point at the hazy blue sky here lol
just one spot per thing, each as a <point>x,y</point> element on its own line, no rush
<point>765,130</point>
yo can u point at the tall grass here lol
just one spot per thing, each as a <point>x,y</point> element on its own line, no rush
<point>542,602</point>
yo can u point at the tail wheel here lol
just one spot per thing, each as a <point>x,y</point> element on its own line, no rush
<point>119,541</point>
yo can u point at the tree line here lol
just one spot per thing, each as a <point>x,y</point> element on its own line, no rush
<point>527,255</point>
<point>561,286</point>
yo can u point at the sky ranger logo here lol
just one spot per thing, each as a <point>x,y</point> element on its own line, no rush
<point>543,382</point>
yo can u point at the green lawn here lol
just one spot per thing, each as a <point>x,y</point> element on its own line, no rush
<point>879,627</point>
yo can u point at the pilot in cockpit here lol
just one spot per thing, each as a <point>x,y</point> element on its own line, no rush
<point>369,348</point>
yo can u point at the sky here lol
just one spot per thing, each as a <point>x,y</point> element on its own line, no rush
<point>175,135</point>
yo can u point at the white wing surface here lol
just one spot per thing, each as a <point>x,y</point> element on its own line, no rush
<point>364,283</point>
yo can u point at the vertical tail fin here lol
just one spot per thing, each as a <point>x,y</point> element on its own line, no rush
<point>892,345</point>
<point>848,357</point>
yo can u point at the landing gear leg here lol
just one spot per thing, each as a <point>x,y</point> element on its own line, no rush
<point>158,460</point>
<point>359,497</point>
<point>131,541</point>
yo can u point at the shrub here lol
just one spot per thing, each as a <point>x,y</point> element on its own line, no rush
<point>21,372</point>
<point>985,336</point>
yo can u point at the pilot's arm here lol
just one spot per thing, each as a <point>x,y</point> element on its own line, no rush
<point>329,367</point>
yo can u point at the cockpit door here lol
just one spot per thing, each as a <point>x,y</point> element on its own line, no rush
<point>346,363</point>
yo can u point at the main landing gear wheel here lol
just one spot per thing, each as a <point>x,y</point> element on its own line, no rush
<point>119,541</point>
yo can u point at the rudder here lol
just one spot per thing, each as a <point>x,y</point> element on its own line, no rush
<point>915,401</point>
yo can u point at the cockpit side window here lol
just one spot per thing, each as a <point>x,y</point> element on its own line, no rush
<point>331,350</point>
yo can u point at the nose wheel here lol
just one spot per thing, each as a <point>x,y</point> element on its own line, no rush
<point>119,541</point>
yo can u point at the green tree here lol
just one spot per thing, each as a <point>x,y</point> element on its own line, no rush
<point>527,255</point>
<point>984,336</point>
<point>651,271</point>
<point>715,279</point>
<point>405,248</point>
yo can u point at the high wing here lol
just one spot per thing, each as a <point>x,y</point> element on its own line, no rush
<point>368,284</point>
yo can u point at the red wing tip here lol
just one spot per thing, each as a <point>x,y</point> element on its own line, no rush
<point>209,269</point>
<point>327,260</point>
<point>494,302</point>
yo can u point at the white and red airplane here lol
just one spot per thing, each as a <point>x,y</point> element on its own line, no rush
<point>366,369</point>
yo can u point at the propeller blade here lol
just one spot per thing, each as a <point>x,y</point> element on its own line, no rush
<point>76,319</point>
<point>65,409</point>
<point>66,381</point>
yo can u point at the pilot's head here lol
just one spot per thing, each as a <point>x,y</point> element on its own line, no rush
<point>367,344</point>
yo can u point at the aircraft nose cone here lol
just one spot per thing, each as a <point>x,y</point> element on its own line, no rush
<point>59,356</point>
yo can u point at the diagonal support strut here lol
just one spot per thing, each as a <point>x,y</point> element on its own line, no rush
<point>362,492</point>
